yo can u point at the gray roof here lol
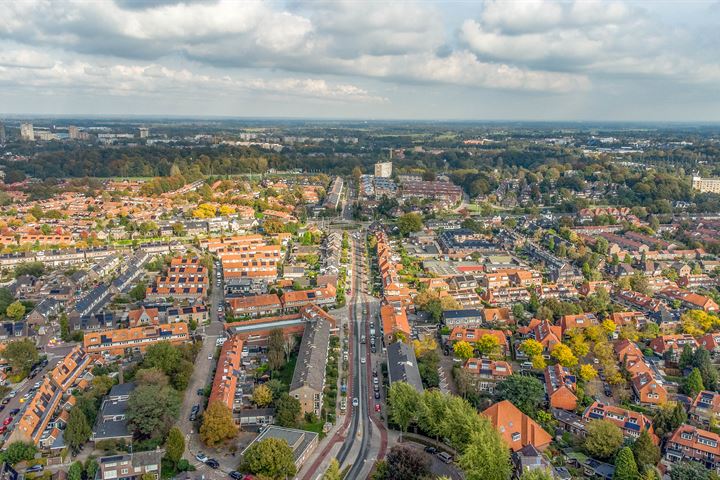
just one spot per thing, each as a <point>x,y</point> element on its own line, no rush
<point>298,440</point>
<point>311,361</point>
<point>402,365</point>
<point>121,389</point>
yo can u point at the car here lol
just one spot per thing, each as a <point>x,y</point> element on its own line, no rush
<point>12,394</point>
<point>356,402</point>
<point>34,468</point>
<point>608,391</point>
<point>375,380</point>
<point>201,457</point>
<point>431,450</point>
<point>362,360</point>
<point>377,407</point>
<point>7,421</point>
<point>37,385</point>
<point>14,411</point>
<point>201,391</point>
<point>377,395</point>
<point>220,309</point>
<point>373,349</point>
<point>375,373</point>
<point>445,457</point>
<point>2,407</point>
<point>376,387</point>
<point>3,429</point>
<point>212,463</point>
<point>210,357</point>
<point>235,475</point>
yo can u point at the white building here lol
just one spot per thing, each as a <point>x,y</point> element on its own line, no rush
<point>383,169</point>
<point>26,132</point>
<point>704,185</point>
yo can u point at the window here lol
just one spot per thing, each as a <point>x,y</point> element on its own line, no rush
<point>516,437</point>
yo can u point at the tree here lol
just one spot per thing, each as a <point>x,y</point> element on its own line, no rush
<point>708,372</point>
<point>463,349</point>
<point>262,396</point>
<point>486,456</point>
<point>603,439</point>
<point>333,471</point>
<point>272,458</point>
<point>218,424</point>
<point>625,467</point>
<point>531,347</point>
<point>78,430</point>
<point>526,393</point>
<point>668,417</point>
<point>488,345</point>
<point>151,376</point>
<point>91,468</point>
<point>175,445</point>
<point>287,411</point>
<point>16,311</point>
<point>21,355</point>
<point>276,351</point>
<point>152,410</point>
<point>408,223</point>
<point>404,402</point>
<point>537,474</point>
<point>645,451</point>
<point>608,325</point>
<point>20,451</point>
<point>564,355</point>
<point>406,463</point>
<point>432,416</point>
<point>587,372</point>
<point>75,471</point>
<point>689,471</point>
<point>137,293</point>
<point>693,383</point>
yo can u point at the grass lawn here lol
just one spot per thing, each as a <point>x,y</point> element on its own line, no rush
<point>316,427</point>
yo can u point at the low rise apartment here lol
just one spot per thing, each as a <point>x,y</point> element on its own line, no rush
<point>630,422</point>
<point>308,379</point>
<point>692,444</point>
<point>120,341</point>
<point>255,305</point>
<point>486,373</point>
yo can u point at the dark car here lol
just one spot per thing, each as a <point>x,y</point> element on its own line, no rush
<point>212,463</point>
<point>34,468</point>
<point>236,475</point>
<point>14,411</point>
<point>201,391</point>
<point>377,395</point>
<point>431,450</point>
<point>608,391</point>
<point>5,401</point>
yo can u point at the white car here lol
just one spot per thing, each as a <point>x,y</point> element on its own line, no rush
<point>210,357</point>
<point>356,402</point>
<point>362,360</point>
<point>201,457</point>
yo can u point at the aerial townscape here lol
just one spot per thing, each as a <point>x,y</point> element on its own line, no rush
<point>359,240</point>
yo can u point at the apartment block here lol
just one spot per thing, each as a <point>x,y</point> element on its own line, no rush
<point>117,342</point>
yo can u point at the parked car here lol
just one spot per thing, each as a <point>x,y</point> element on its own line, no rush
<point>14,411</point>
<point>377,395</point>
<point>431,450</point>
<point>377,407</point>
<point>212,463</point>
<point>201,457</point>
<point>34,468</point>
<point>356,402</point>
<point>445,457</point>
<point>235,475</point>
<point>3,429</point>
<point>8,420</point>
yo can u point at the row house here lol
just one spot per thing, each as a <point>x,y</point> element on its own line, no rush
<point>696,281</point>
<point>196,313</point>
<point>486,373</point>
<point>117,342</point>
<point>177,293</point>
<point>589,288</point>
<point>308,381</point>
<point>636,300</point>
<point>710,342</point>
<point>646,388</point>
<point>577,322</point>
<point>689,299</point>
<point>675,342</point>
<point>225,382</point>
<point>466,298</point>
<point>255,305</point>
<point>394,324</point>
<point>705,409</point>
<point>506,295</point>
<point>214,244</point>
<point>635,319</point>
<point>544,332</point>
<point>464,318</point>
<point>472,335</point>
<point>322,297</point>
<point>692,444</point>
<point>630,422</point>
<point>501,316</point>
<point>557,291</point>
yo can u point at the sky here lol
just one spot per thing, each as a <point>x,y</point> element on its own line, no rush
<point>471,60</point>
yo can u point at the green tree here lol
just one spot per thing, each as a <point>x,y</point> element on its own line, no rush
<point>405,403</point>
<point>21,355</point>
<point>486,456</point>
<point>488,346</point>
<point>668,417</point>
<point>78,430</point>
<point>526,393</point>
<point>218,424</point>
<point>276,350</point>
<point>537,474</point>
<point>433,413</point>
<point>75,471</point>
<point>175,445</point>
<point>137,293</point>
<point>531,347</point>
<point>645,451</point>
<point>708,372</point>
<point>152,410</point>
<point>17,452</point>
<point>262,396</point>
<point>689,471</point>
<point>272,458</point>
<point>693,383</point>
<point>333,471</point>
<point>287,411</point>
<point>625,467</point>
<point>15,311</point>
<point>91,468</point>
<point>603,439</point>
<point>408,223</point>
